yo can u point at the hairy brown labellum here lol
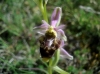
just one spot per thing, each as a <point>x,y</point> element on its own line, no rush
<point>48,51</point>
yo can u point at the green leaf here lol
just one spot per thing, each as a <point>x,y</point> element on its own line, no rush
<point>59,70</point>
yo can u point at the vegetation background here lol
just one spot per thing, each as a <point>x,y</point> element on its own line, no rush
<point>18,44</point>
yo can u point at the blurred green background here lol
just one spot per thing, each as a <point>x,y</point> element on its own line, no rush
<point>19,51</point>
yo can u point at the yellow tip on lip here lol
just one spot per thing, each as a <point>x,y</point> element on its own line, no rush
<point>45,59</point>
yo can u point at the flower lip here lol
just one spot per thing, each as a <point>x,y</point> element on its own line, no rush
<point>47,51</point>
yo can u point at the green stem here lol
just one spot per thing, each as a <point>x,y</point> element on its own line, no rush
<point>45,13</point>
<point>57,56</point>
<point>50,66</point>
<point>53,61</point>
<point>49,70</point>
<point>43,10</point>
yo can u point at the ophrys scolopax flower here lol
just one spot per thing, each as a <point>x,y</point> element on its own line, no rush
<point>52,36</point>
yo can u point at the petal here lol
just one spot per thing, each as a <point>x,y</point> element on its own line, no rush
<point>62,34</point>
<point>65,54</point>
<point>45,25</point>
<point>43,21</point>
<point>53,23</point>
<point>38,33</point>
<point>62,43</point>
<point>60,27</point>
<point>42,28</point>
<point>42,32</point>
<point>56,16</point>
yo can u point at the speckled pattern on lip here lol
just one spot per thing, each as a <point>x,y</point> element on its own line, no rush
<point>46,51</point>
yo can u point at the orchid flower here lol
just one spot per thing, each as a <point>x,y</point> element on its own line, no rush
<point>52,31</point>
